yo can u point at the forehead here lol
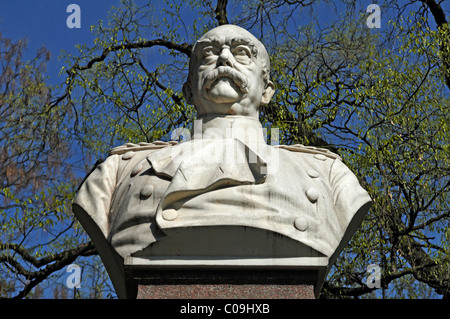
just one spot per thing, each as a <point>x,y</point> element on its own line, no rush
<point>229,35</point>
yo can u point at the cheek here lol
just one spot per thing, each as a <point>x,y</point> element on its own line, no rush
<point>255,82</point>
<point>253,73</point>
<point>202,72</point>
<point>197,79</point>
<point>204,67</point>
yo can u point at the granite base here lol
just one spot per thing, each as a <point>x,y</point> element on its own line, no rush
<point>224,284</point>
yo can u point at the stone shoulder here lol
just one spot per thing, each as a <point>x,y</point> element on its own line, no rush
<point>141,146</point>
<point>310,150</point>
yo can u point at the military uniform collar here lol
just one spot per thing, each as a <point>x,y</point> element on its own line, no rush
<point>246,129</point>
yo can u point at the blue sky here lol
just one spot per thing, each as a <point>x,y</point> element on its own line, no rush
<point>43,22</point>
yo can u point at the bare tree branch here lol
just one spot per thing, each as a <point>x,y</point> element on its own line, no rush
<point>221,12</point>
<point>185,48</point>
<point>436,11</point>
<point>440,19</point>
<point>53,263</point>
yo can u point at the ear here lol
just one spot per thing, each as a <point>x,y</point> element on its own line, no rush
<point>268,93</point>
<point>187,92</point>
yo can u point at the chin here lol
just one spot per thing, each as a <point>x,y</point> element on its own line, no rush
<point>224,100</point>
<point>223,92</point>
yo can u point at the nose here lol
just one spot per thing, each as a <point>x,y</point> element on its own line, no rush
<point>226,58</point>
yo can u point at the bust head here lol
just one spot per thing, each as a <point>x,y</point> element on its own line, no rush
<point>228,73</point>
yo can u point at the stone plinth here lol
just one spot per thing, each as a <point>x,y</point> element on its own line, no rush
<point>223,284</point>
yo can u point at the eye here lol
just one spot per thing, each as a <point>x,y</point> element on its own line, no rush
<point>209,51</point>
<point>209,54</point>
<point>242,50</point>
<point>242,54</point>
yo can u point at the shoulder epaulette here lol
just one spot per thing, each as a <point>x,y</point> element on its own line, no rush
<point>310,150</point>
<point>141,146</point>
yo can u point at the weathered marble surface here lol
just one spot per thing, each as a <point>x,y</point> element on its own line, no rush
<point>225,193</point>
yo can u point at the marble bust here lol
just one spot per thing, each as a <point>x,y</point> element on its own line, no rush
<point>225,197</point>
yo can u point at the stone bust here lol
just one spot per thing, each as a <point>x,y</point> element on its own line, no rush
<point>225,192</point>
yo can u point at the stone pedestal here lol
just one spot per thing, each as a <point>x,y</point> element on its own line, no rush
<point>222,284</point>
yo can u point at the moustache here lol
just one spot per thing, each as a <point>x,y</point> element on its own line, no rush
<point>226,72</point>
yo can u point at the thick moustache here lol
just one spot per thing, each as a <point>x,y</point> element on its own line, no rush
<point>226,72</point>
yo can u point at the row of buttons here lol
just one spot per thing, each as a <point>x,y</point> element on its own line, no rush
<point>300,223</point>
<point>312,194</point>
<point>147,190</point>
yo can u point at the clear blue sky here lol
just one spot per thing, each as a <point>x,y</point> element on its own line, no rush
<point>43,22</point>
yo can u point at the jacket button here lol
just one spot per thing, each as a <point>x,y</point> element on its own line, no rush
<point>320,157</point>
<point>136,169</point>
<point>169,214</point>
<point>312,173</point>
<point>147,191</point>
<point>301,224</point>
<point>312,194</point>
<point>128,155</point>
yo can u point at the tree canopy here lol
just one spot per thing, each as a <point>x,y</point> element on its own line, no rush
<point>379,97</point>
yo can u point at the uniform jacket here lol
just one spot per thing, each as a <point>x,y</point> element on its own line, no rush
<point>144,192</point>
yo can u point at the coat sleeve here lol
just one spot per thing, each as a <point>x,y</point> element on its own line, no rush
<point>351,201</point>
<point>92,208</point>
<point>93,201</point>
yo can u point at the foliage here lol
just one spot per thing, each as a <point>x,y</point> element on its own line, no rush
<point>39,235</point>
<point>378,97</point>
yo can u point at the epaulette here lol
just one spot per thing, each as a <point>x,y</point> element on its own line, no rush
<point>141,146</point>
<point>310,150</point>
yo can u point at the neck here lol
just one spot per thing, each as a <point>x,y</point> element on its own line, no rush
<point>219,126</point>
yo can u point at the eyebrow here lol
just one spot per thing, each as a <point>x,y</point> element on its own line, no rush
<point>226,40</point>
<point>233,42</point>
